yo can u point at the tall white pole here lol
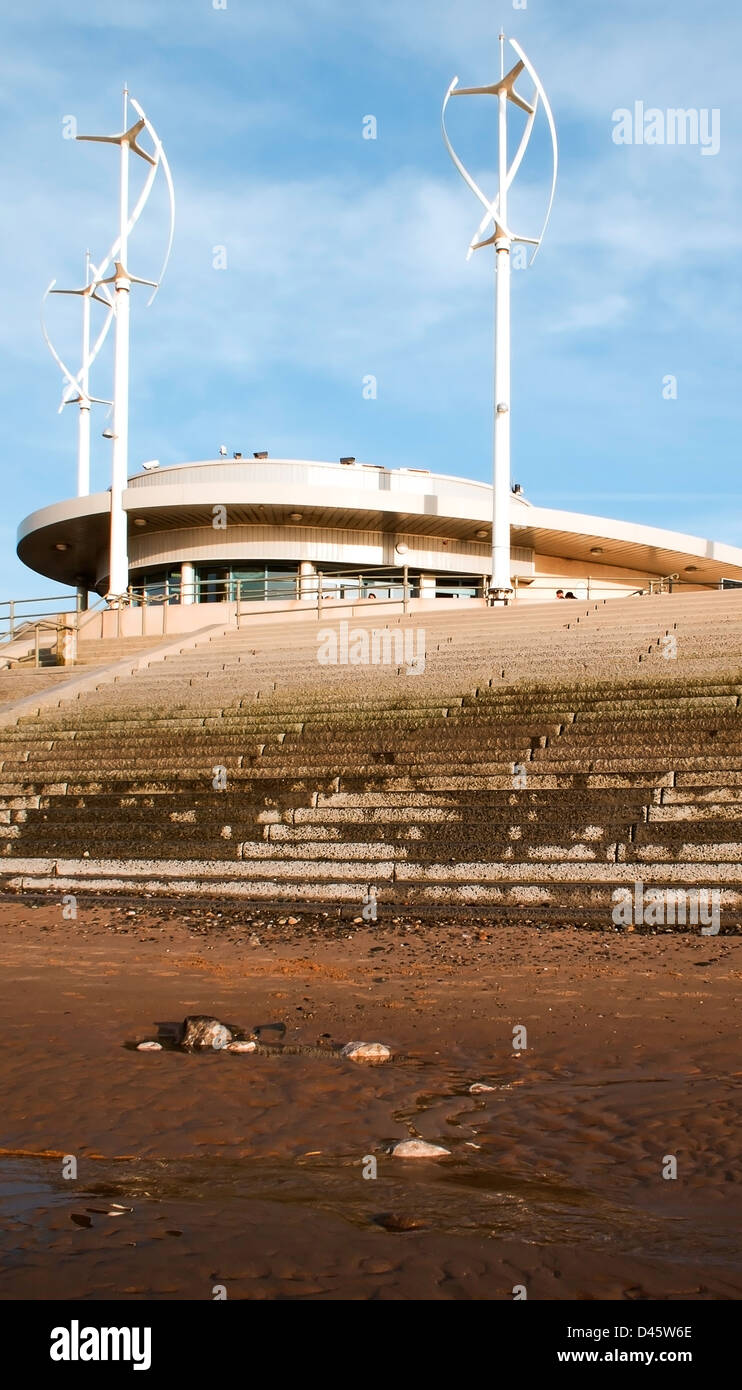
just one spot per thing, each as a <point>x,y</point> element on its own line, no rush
<point>503,237</point>
<point>119,553</point>
<point>83,419</point>
<point>501,579</point>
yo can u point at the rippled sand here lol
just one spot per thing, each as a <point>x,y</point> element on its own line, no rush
<point>247,1172</point>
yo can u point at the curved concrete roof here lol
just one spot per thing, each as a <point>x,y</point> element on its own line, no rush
<point>344,505</point>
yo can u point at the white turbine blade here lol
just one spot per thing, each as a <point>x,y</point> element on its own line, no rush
<point>466,176</point>
<point>162,159</point>
<point>72,382</point>
<point>515,166</point>
<point>491,213</point>
<point>98,344</point>
<point>552,128</point>
<point>110,257</point>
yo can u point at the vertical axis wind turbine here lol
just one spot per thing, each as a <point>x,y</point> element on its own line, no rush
<point>122,280</point>
<point>502,238</point>
<point>77,389</point>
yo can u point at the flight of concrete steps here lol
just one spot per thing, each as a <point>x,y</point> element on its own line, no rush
<point>540,758</point>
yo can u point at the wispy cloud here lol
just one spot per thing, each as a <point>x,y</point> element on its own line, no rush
<point>347,257</point>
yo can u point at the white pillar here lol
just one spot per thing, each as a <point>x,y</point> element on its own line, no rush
<point>83,418</point>
<point>119,566</point>
<point>501,464</point>
<point>307,580</point>
<point>188,582</point>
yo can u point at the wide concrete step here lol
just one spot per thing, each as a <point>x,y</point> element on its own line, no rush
<point>701,851</point>
<point>692,832</point>
<point>540,805</point>
<point>426,772</point>
<point>569,887</point>
<point>677,753</point>
<point>700,796</point>
<point>265,786</point>
<point>692,811</point>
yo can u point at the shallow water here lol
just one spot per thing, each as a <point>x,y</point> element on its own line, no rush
<point>247,1171</point>
<point>490,1216</point>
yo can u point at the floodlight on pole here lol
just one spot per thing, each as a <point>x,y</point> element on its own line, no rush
<point>502,238</point>
<point>77,388</point>
<point>121,279</point>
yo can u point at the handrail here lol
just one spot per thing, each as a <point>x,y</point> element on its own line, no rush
<point>23,657</point>
<point>18,623</point>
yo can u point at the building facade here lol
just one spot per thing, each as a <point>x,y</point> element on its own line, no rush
<point>277,529</point>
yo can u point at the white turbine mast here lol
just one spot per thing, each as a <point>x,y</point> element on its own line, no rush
<point>117,259</point>
<point>76,391</point>
<point>502,238</point>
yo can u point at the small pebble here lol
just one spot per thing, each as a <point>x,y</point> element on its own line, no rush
<point>241,1046</point>
<point>149,1047</point>
<point>478,1087</point>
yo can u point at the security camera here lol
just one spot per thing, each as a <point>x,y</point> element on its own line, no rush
<point>223,450</point>
<point>151,463</point>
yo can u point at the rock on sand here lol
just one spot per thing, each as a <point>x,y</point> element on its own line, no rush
<point>367,1052</point>
<point>418,1148</point>
<point>149,1047</point>
<point>199,1030</point>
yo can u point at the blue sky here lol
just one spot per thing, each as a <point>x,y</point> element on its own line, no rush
<point>346,257</point>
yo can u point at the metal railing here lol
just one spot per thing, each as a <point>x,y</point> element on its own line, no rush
<point>23,620</point>
<point>591,586</point>
<point>19,613</point>
<point>378,584</point>
<point>63,645</point>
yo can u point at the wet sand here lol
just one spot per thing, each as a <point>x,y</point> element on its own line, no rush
<point>247,1171</point>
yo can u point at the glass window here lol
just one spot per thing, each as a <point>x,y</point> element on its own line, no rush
<point>213,584</point>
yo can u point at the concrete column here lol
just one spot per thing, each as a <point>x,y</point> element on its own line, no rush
<point>187,582</point>
<point>427,586</point>
<point>307,576</point>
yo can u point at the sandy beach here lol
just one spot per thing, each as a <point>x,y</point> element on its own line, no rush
<point>247,1171</point>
